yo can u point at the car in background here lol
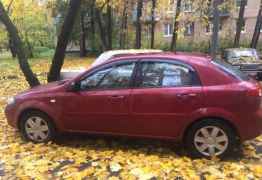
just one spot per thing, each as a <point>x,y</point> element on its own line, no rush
<point>246,59</point>
<point>71,73</point>
<point>207,104</point>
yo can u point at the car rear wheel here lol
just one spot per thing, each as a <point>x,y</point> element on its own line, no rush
<point>210,138</point>
<point>37,127</point>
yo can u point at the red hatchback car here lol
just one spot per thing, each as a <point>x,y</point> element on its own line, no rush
<point>205,103</point>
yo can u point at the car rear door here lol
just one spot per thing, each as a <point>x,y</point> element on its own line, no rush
<point>166,95</point>
<point>102,104</point>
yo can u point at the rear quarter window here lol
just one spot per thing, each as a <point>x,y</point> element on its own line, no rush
<point>230,70</point>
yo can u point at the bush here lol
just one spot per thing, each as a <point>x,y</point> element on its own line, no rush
<point>187,46</point>
<point>40,51</point>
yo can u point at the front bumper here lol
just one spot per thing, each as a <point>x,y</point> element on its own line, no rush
<point>10,113</point>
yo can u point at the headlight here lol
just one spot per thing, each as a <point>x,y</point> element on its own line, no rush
<point>10,100</point>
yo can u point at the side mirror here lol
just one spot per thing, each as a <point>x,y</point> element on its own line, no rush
<point>73,87</point>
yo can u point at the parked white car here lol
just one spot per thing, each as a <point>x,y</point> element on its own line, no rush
<point>71,73</point>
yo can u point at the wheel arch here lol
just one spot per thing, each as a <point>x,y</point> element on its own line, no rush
<point>221,119</point>
<point>28,110</point>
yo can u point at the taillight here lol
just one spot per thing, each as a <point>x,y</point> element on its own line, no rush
<point>255,92</point>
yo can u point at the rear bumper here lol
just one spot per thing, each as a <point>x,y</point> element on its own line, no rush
<point>252,128</point>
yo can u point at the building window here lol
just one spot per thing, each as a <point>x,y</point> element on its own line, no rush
<point>238,3</point>
<point>188,6</point>
<point>209,27</point>
<point>189,29</point>
<point>168,29</point>
<point>243,28</point>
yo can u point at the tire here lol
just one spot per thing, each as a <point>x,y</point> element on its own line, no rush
<point>225,143</point>
<point>31,131</point>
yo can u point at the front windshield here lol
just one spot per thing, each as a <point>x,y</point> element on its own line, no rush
<point>102,58</point>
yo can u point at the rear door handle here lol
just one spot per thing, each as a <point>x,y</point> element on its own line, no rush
<point>187,95</point>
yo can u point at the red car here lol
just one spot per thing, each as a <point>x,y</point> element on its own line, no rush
<point>205,103</point>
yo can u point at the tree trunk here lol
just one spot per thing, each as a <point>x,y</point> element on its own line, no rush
<point>29,75</point>
<point>176,26</point>
<point>101,30</point>
<point>216,21</point>
<point>83,35</point>
<point>11,46</point>
<point>240,23</point>
<point>109,25</point>
<point>153,23</point>
<point>257,28</point>
<point>10,42</point>
<point>58,59</point>
<point>138,24</point>
<point>93,31</point>
<point>123,26</point>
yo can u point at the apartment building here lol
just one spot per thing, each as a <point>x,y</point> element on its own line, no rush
<point>194,29</point>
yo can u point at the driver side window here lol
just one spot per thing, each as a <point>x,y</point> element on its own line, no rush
<point>116,77</point>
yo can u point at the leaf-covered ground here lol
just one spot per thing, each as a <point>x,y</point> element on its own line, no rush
<point>87,157</point>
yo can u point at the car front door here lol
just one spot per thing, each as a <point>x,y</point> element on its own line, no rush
<point>102,103</point>
<point>166,95</point>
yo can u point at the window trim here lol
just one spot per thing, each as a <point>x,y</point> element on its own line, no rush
<point>138,77</point>
<point>103,67</point>
<point>239,5</point>
<point>169,30</point>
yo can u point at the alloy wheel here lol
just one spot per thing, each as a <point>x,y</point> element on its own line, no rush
<point>211,141</point>
<point>37,129</point>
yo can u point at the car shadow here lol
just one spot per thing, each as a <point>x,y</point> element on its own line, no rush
<point>103,142</point>
<point>146,146</point>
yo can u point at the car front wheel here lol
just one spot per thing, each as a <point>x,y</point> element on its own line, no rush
<point>37,127</point>
<point>210,138</point>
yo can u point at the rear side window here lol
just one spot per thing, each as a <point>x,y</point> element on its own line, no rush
<point>164,74</point>
<point>231,70</point>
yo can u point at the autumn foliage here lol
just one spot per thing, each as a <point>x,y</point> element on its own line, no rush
<point>87,157</point>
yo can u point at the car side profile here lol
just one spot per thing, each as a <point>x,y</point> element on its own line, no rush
<point>207,104</point>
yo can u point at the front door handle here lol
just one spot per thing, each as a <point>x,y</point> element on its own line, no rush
<point>192,95</point>
<point>117,97</point>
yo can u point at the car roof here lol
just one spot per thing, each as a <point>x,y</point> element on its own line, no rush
<point>106,56</point>
<point>180,56</point>
<point>240,49</point>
